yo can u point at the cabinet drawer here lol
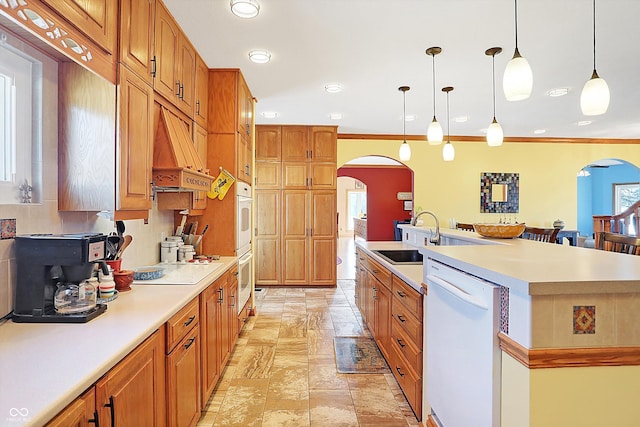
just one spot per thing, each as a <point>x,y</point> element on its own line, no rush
<point>410,383</point>
<point>408,322</point>
<point>181,323</point>
<point>408,296</point>
<point>406,347</point>
<point>381,273</point>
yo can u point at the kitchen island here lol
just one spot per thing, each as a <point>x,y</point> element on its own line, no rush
<point>44,367</point>
<point>568,336</point>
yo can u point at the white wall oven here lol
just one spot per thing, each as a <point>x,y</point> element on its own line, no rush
<point>243,243</point>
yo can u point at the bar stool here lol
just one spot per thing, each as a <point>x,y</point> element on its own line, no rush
<point>547,235</point>
<point>621,243</point>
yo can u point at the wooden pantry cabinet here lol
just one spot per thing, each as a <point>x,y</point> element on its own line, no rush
<point>295,205</point>
<point>137,37</point>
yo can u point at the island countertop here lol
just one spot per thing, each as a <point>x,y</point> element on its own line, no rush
<point>43,367</point>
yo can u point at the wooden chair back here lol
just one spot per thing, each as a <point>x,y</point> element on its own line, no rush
<point>619,243</point>
<point>463,226</point>
<point>541,234</point>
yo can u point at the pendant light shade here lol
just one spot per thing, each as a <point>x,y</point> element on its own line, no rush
<point>594,99</point>
<point>517,81</point>
<point>405,150</point>
<point>495,136</point>
<point>448,152</point>
<point>434,131</point>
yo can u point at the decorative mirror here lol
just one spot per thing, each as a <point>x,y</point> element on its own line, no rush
<point>499,192</point>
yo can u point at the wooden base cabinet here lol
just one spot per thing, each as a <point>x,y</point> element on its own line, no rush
<point>80,413</point>
<point>133,392</point>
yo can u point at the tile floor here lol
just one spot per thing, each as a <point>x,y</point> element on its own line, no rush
<point>283,373</point>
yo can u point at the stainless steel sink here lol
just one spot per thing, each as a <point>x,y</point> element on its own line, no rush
<point>401,256</point>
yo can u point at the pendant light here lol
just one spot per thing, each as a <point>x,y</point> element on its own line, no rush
<point>495,136</point>
<point>434,132</point>
<point>448,152</point>
<point>405,149</point>
<point>518,78</point>
<point>594,99</point>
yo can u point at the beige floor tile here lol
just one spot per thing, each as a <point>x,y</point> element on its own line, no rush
<point>256,362</point>
<point>326,377</point>
<point>332,408</point>
<point>286,418</point>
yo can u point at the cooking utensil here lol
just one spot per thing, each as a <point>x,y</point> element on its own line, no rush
<point>180,228</point>
<point>187,231</point>
<point>199,239</point>
<point>127,241</point>
<point>192,233</point>
<point>112,245</point>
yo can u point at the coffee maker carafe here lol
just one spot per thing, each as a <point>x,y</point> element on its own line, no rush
<point>47,263</point>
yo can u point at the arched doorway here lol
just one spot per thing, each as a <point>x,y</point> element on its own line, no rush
<point>389,193</point>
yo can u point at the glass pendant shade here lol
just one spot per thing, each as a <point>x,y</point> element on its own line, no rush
<point>594,99</point>
<point>448,152</point>
<point>517,81</point>
<point>495,136</point>
<point>405,152</point>
<point>434,133</point>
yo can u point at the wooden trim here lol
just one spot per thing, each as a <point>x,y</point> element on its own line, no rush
<point>431,422</point>
<point>516,139</point>
<point>425,287</point>
<point>569,357</point>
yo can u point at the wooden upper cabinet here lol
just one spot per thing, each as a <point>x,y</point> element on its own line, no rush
<point>268,143</point>
<point>136,44</point>
<point>323,145</point>
<point>245,108</point>
<point>201,106</point>
<point>186,75</point>
<point>295,143</point>
<point>95,18</point>
<point>166,48</point>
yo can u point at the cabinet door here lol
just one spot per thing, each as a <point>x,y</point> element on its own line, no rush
<point>183,381</point>
<point>232,301</point>
<point>267,233</point>
<point>294,175</point>
<point>268,143</point>
<point>201,107</point>
<point>186,75</point>
<point>382,307</point>
<point>323,145</point>
<point>322,175</point>
<point>96,18</point>
<point>167,35</point>
<point>295,229</point>
<point>267,175</point>
<point>243,153</point>
<point>245,108</point>
<point>224,347</point>
<point>80,413</point>
<point>200,141</point>
<point>209,331</point>
<point>136,45</point>
<point>295,143</point>
<point>133,392</point>
<point>323,237</point>
<point>136,142</point>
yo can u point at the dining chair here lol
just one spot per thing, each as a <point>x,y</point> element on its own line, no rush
<point>465,227</point>
<point>621,243</point>
<point>547,235</point>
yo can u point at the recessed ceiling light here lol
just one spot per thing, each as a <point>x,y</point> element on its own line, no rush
<point>333,87</point>
<point>260,56</point>
<point>335,116</point>
<point>245,8</point>
<point>539,131</point>
<point>410,118</point>
<point>269,114</point>
<point>584,122</point>
<point>559,91</point>
<point>461,119</point>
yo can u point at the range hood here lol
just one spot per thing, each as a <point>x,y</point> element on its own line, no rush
<point>176,164</point>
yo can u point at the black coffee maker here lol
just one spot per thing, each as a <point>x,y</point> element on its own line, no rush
<point>45,261</point>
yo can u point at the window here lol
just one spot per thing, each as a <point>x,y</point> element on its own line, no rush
<point>356,206</point>
<point>624,196</point>
<point>20,100</point>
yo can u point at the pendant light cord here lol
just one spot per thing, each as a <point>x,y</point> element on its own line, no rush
<point>594,35</point>
<point>493,81</point>
<point>434,85</point>
<point>516,19</point>
<point>404,116</point>
<point>448,123</point>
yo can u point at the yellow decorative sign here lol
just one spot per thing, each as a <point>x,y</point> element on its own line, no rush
<point>221,185</point>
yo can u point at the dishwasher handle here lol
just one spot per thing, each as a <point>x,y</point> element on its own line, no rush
<point>457,292</point>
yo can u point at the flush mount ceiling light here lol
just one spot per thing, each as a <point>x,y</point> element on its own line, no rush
<point>448,152</point>
<point>260,56</point>
<point>245,8</point>
<point>518,77</point>
<point>434,131</point>
<point>584,122</point>
<point>495,136</point>
<point>539,131</point>
<point>269,114</point>
<point>594,99</point>
<point>405,149</point>
<point>335,116</point>
<point>560,91</point>
<point>333,87</point>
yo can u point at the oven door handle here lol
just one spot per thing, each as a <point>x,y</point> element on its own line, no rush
<point>245,259</point>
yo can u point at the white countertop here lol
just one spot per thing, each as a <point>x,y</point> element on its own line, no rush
<point>43,367</point>
<point>411,273</point>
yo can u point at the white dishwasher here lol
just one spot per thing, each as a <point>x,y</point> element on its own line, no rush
<point>463,358</point>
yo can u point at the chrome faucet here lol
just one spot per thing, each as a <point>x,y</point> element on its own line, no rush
<point>434,239</point>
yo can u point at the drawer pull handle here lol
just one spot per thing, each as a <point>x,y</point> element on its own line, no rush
<point>112,410</point>
<point>191,341</point>
<point>95,420</point>
<point>401,294</point>
<point>191,319</point>
<point>375,271</point>
<point>399,371</point>
<point>401,318</point>
<point>401,343</point>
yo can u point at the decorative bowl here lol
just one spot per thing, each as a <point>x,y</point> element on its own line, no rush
<point>148,273</point>
<point>123,279</point>
<point>500,231</point>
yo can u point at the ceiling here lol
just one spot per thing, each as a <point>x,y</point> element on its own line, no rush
<point>372,47</point>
